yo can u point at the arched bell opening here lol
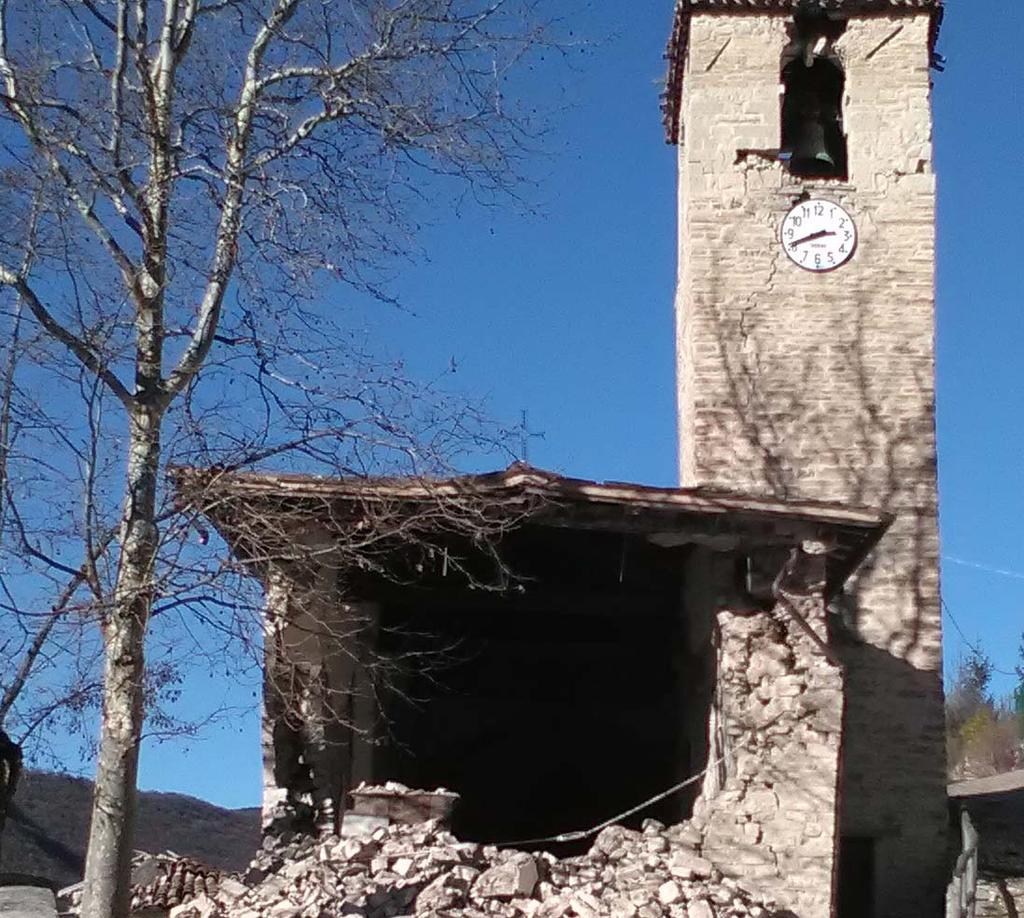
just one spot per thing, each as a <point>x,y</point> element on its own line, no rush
<point>813,140</point>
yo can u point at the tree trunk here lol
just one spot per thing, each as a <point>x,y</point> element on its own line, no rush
<point>107,890</point>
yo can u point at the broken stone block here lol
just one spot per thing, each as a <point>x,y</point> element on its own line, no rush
<point>584,908</point>
<point>554,907</point>
<point>689,865</point>
<point>638,897</point>
<point>199,907</point>
<point>650,910</point>
<point>403,866</point>
<point>656,844</point>
<point>356,849</point>
<point>465,874</point>
<point>670,893</point>
<point>614,840</point>
<point>699,909</point>
<point>357,824</point>
<point>686,834</point>
<point>515,877</point>
<point>622,908</point>
<point>721,896</point>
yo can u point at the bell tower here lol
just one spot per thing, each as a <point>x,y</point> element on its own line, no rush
<point>805,348</point>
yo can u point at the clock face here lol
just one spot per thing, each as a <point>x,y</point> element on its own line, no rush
<point>819,235</point>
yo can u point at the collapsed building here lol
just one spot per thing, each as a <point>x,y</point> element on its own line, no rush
<point>601,643</point>
<point>642,636</point>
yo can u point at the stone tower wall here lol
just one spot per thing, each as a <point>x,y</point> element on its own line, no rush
<point>822,385</point>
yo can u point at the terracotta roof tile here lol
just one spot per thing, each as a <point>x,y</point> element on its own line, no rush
<point>177,880</point>
<point>159,881</point>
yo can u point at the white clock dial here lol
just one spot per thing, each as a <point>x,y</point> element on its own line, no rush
<point>819,235</point>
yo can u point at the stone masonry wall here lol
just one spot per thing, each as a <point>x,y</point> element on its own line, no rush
<point>821,386</point>
<point>317,701</point>
<point>769,815</point>
<point>1000,898</point>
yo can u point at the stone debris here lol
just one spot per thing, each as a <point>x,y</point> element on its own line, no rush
<point>998,895</point>
<point>517,876</point>
<point>404,870</point>
<point>398,803</point>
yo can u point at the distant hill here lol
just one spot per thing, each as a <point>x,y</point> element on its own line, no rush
<point>47,829</point>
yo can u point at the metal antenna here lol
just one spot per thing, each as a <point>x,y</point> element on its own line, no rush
<point>525,436</point>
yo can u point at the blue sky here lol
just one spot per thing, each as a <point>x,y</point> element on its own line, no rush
<point>568,316</point>
<point>979,135</point>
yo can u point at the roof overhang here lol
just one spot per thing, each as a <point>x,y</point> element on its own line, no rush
<point>676,53</point>
<point>1010,782</point>
<point>996,807</point>
<point>666,516</point>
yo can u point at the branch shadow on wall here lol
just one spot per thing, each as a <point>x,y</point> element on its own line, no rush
<point>848,419</point>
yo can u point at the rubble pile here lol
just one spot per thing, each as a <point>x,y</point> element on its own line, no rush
<point>405,870</point>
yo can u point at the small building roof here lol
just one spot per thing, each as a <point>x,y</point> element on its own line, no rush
<point>159,883</point>
<point>1010,782</point>
<point>996,807</point>
<point>676,53</point>
<point>232,500</point>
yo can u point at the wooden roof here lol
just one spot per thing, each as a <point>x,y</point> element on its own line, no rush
<point>232,500</point>
<point>996,807</point>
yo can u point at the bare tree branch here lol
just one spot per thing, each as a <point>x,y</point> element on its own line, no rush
<point>76,345</point>
<point>208,175</point>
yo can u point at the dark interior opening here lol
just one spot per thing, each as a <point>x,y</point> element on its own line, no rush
<point>553,705</point>
<point>813,139</point>
<point>856,888</point>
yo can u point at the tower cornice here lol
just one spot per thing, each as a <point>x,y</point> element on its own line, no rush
<point>676,52</point>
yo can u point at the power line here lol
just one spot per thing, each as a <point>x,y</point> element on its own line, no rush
<point>587,833</point>
<point>970,644</point>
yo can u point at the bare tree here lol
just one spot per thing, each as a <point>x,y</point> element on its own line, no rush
<point>179,177</point>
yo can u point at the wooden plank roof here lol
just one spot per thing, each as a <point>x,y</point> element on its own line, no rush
<point>228,498</point>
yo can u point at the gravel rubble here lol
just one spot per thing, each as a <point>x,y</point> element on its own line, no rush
<point>403,870</point>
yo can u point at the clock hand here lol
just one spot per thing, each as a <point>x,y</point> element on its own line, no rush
<point>818,235</point>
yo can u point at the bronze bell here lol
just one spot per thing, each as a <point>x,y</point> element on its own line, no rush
<point>810,152</point>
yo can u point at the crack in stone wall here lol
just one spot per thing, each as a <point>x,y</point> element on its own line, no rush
<point>808,386</point>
